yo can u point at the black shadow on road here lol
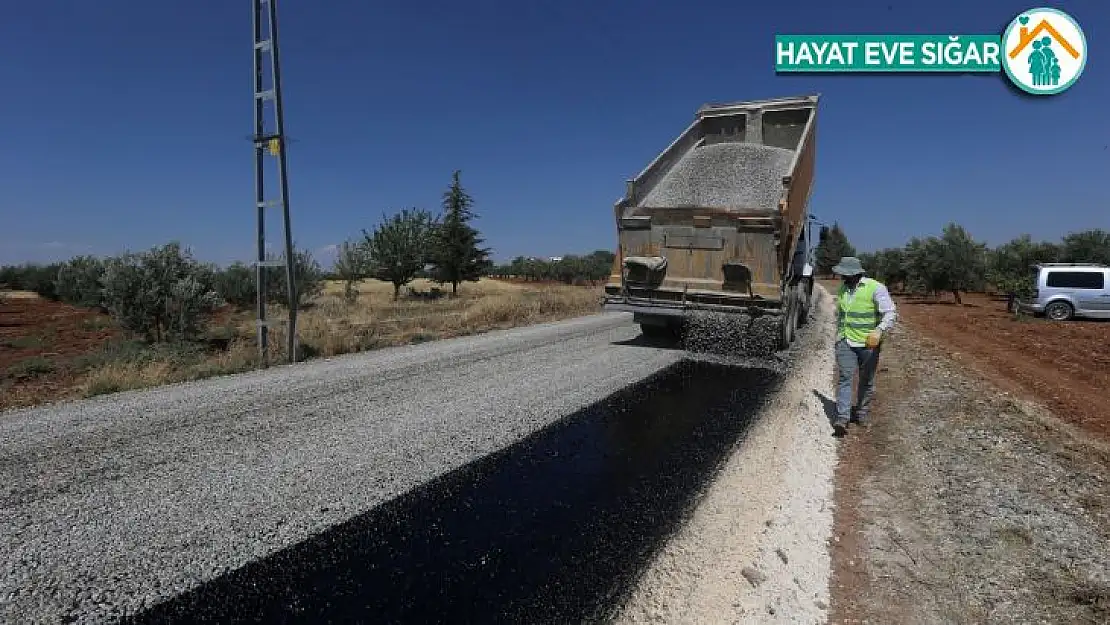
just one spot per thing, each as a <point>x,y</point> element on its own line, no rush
<point>654,342</point>
<point>555,529</point>
<point>723,351</point>
<point>828,403</point>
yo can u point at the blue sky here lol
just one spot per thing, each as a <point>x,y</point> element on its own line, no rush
<point>124,123</point>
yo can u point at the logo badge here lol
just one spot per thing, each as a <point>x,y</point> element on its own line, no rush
<point>1044,51</point>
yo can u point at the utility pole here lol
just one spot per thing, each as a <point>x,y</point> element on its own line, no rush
<point>270,139</point>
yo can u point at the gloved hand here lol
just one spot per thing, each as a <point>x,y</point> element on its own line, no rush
<point>874,338</point>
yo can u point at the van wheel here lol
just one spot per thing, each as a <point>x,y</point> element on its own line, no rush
<point>1059,311</point>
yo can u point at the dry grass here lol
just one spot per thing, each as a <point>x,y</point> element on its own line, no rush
<point>18,294</point>
<point>379,290</point>
<point>124,374</point>
<point>333,325</point>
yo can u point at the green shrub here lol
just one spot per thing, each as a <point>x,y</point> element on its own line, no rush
<point>236,285</point>
<point>308,278</point>
<point>40,279</point>
<point>31,367</point>
<point>79,282</point>
<point>161,294</point>
<point>23,342</point>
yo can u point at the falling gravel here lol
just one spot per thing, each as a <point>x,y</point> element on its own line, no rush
<point>730,175</point>
<point>735,338</point>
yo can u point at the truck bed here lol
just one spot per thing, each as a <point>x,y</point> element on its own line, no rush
<point>729,175</point>
<point>726,203</point>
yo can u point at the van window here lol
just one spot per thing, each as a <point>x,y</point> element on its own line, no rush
<point>1075,279</point>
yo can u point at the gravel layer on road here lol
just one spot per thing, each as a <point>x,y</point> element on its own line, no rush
<point>755,550</point>
<point>964,504</point>
<point>733,175</point>
<point>112,504</point>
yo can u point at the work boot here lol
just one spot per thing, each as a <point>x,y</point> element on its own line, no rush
<point>840,426</point>
<point>861,418</point>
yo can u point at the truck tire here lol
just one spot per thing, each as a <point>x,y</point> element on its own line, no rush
<point>789,323</point>
<point>805,288</point>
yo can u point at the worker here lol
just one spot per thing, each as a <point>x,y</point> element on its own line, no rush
<point>864,314</point>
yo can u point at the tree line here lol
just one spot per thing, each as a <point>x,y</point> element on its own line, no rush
<point>162,294</point>
<point>415,243</point>
<point>954,261</point>
<point>571,269</point>
<point>165,294</point>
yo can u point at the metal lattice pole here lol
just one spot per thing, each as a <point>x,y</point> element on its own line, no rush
<point>272,141</point>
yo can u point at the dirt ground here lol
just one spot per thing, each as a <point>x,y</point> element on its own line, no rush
<point>39,343</point>
<point>980,493</point>
<point>1065,365</point>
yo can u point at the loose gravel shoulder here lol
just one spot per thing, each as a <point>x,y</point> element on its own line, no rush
<point>112,504</point>
<point>755,550</point>
<point>964,504</point>
<point>733,175</point>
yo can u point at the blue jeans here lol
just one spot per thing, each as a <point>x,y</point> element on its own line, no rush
<point>849,360</point>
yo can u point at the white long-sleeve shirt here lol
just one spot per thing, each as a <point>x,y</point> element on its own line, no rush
<point>885,305</point>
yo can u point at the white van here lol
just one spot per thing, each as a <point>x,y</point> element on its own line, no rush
<point>1070,290</point>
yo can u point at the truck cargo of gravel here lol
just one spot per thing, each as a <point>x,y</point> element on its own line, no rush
<point>718,223</point>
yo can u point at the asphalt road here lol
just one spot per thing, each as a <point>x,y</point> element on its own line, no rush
<point>111,505</point>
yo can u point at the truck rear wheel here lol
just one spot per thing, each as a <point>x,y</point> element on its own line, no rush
<point>789,323</point>
<point>805,289</point>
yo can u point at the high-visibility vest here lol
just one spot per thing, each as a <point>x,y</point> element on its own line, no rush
<point>856,314</point>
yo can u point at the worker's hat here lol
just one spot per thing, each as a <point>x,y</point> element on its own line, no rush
<point>848,266</point>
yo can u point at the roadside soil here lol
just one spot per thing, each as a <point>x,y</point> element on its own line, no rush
<point>40,341</point>
<point>969,503</point>
<point>1064,365</point>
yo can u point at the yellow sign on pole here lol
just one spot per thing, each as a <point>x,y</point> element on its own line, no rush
<point>275,146</point>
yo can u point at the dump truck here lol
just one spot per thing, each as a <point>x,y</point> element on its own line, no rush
<point>719,221</point>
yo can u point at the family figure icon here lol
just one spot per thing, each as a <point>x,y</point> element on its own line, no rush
<point>1043,64</point>
<point>1045,51</point>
